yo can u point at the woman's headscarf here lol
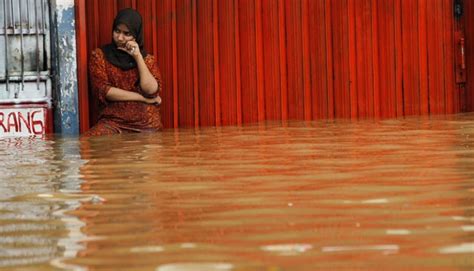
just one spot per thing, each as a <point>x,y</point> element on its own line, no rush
<point>133,20</point>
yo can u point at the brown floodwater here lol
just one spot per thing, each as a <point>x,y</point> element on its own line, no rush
<point>329,195</point>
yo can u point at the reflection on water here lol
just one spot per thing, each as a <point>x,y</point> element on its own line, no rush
<point>367,195</point>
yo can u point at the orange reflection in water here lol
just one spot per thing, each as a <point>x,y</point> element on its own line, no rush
<point>392,195</point>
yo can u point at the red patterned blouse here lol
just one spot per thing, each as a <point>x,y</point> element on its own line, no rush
<point>118,117</point>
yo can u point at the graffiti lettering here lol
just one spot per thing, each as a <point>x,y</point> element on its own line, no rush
<point>37,123</point>
<point>22,122</point>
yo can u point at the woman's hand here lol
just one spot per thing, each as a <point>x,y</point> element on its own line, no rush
<point>131,48</point>
<point>155,100</point>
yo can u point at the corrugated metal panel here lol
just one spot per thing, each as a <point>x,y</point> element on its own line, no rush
<point>468,93</point>
<point>240,61</point>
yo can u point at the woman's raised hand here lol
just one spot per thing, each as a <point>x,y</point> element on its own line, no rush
<point>131,48</point>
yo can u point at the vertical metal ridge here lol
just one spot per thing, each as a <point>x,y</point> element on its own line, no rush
<point>375,62</point>
<point>423,60</point>
<point>43,28</point>
<point>238,74</point>
<point>195,64</point>
<point>22,57</point>
<point>37,46</point>
<point>260,61</point>
<point>217,76</point>
<point>283,61</point>
<point>307,103</point>
<point>12,16</point>
<point>330,58</point>
<point>353,60</point>
<point>7,79</point>
<point>28,15</point>
<point>175,64</point>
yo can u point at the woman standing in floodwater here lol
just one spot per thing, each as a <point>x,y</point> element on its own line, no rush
<point>126,80</point>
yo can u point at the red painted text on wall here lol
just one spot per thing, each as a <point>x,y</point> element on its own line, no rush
<point>22,121</point>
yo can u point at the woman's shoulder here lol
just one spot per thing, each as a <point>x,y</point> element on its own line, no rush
<point>149,58</point>
<point>97,52</point>
<point>97,59</point>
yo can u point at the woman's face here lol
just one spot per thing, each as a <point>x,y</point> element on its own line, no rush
<point>122,35</point>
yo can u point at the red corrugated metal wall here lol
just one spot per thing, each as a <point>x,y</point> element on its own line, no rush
<point>468,93</point>
<point>227,62</point>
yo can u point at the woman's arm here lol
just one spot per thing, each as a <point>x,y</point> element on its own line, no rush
<point>148,83</point>
<point>119,95</point>
<point>103,89</point>
<point>98,75</point>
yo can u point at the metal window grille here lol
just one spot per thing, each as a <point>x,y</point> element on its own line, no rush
<point>25,57</point>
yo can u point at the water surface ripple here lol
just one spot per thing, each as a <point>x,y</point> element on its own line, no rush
<point>338,195</point>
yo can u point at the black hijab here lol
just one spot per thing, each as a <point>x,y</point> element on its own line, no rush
<point>133,20</point>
